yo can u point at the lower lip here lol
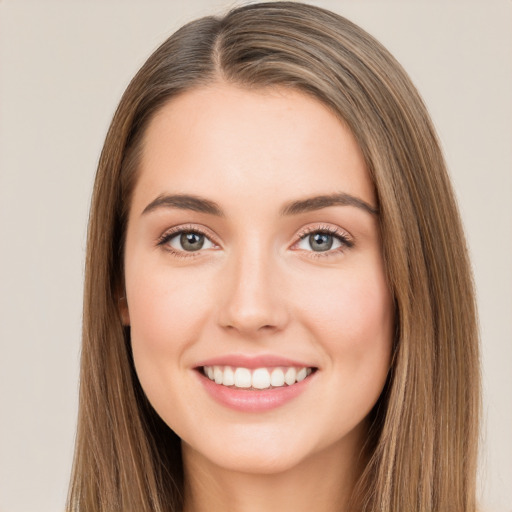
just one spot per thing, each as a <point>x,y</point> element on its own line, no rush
<point>246,400</point>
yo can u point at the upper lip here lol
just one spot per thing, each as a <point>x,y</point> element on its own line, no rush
<point>253,362</point>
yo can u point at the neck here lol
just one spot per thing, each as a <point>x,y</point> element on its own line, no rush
<point>321,483</point>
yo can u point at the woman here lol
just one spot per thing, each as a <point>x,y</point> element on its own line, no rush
<point>278,310</point>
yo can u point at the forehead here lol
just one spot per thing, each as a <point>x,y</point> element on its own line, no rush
<point>239,141</point>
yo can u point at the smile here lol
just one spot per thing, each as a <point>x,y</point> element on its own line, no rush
<point>256,379</point>
<point>262,387</point>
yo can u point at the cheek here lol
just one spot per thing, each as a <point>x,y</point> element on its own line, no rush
<point>168,310</point>
<point>353,320</point>
<point>167,314</point>
<point>353,305</point>
<point>165,307</point>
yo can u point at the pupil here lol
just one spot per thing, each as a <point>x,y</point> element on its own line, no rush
<point>320,241</point>
<point>192,241</point>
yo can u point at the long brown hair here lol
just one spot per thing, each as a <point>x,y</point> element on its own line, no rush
<point>422,443</point>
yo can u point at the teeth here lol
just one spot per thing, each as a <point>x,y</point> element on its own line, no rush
<point>277,377</point>
<point>242,378</point>
<point>260,378</point>
<point>302,374</point>
<point>290,375</point>
<point>218,374</point>
<point>229,377</point>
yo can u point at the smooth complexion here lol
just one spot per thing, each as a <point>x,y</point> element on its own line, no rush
<point>257,281</point>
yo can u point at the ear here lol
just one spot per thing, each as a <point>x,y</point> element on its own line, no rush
<point>124,311</point>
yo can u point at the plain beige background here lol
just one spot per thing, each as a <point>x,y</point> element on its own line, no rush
<point>63,67</point>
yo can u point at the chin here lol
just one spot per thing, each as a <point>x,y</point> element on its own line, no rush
<point>262,453</point>
<point>258,462</point>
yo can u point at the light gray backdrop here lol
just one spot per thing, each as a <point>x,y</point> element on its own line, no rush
<point>63,67</point>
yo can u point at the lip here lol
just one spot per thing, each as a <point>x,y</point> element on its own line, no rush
<point>253,362</point>
<point>251,400</point>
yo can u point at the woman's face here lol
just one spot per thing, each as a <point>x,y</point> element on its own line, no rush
<point>253,254</point>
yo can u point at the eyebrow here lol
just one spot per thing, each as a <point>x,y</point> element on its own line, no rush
<point>185,202</point>
<point>318,202</point>
<point>202,205</point>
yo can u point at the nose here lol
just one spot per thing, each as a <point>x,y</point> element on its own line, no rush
<point>253,301</point>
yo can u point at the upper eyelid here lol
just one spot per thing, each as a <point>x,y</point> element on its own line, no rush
<point>194,228</point>
<point>332,230</point>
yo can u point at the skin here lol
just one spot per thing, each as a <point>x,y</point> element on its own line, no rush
<point>258,287</point>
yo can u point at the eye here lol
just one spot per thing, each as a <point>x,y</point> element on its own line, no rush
<point>186,241</point>
<point>324,240</point>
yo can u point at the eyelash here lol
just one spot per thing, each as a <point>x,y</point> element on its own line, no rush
<point>169,235</point>
<point>343,237</point>
<point>345,240</point>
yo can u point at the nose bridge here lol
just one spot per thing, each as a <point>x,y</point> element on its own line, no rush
<point>252,301</point>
